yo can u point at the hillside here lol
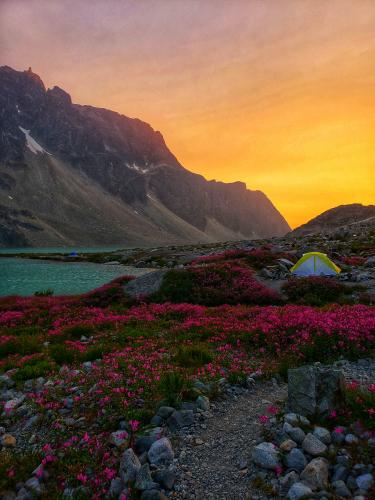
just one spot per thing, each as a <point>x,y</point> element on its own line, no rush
<point>344,217</point>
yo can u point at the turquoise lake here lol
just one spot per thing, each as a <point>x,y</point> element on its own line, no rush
<point>26,276</point>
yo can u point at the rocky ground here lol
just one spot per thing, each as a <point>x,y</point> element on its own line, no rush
<point>214,458</point>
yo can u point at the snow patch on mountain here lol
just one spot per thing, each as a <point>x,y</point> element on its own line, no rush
<point>32,144</point>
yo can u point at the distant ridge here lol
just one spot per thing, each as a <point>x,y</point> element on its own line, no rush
<point>339,217</point>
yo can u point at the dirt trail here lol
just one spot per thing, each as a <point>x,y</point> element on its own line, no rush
<point>214,464</point>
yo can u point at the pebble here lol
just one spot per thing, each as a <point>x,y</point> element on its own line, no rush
<point>8,441</point>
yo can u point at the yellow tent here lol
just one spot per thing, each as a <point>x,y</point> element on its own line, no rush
<point>315,264</point>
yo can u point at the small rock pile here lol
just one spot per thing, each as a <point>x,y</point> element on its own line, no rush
<point>313,462</point>
<point>149,466</point>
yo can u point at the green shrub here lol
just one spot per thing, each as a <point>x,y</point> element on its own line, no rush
<point>44,293</point>
<point>177,287</point>
<point>61,354</point>
<point>172,386</point>
<point>193,356</point>
<point>26,344</point>
<point>33,369</point>
<point>93,353</point>
<point>237,378</point>
<point>78,331</point>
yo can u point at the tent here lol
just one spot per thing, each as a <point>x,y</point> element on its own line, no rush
<point>315,264</point>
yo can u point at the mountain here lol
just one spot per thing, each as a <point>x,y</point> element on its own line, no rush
<point>344,217</point>
<point>80,175</point>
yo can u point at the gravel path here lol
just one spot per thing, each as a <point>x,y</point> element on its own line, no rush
<point>214,462</point>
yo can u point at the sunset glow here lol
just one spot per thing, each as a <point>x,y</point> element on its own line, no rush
<point>278,94</point>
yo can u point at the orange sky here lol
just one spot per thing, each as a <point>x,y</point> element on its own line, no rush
<point>277,93</point>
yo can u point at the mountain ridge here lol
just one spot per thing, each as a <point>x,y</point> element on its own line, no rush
<point>342,216</point>
<point>131,188</point>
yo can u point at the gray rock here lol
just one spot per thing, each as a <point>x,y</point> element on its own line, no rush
<point>340,473</point>
<point>153,495</point>
<point>165,411</point>
<point>314,390</point>
<point>34,485</point>
<point>351,439</point>
<point>266,455</point>
<point>295,419</point>
<point>297,434</point>
<point>341,489</point>
<point>203,403</point>
<point>143,443</point>
<point>299,491</point>
<point>129,465</point>
<point>144,480</point>
<point>118,438</point>
<point>313,446</point>
<point>146,284</point>
<point>365,481</point>
<point>322,434</point>
<point>116,487</point>
<point>166,478</point>
<point>161,452</point>
<point>337,437</point>
<point>180,419</point>
<point>315,474</point>
<point>156,420</point>
<point>287,482</point>
<point>295,460</point>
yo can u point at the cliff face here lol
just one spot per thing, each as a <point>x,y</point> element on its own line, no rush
<point>72,174</point>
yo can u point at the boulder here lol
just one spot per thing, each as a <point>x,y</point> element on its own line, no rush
<point>313,446</point>
<point>144,480</point>
<point>153,495</point>
<point>295,460</point>
<point>146,284</point>
<point>180,419</point>
<point>166,478</point>
<point>365,481</point>
<point>299,491</point>
<point>161,453</point>
<point>203,403</point>
<point>341,489</point>
<point>315,474</point>
<point>129,466</point>
<point>265,455</point>
<point>297,434</point>
<point>314,390</point>
<point>165,411</point>
<point>322,434</point>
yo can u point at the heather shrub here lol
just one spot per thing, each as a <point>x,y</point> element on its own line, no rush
<point>314,290</point>
<point>213,285</point>
<point>359,403</point>
<point>193,356</point>
<point>109,294</point>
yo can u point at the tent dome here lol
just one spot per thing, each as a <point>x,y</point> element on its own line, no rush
<point>315,264</point>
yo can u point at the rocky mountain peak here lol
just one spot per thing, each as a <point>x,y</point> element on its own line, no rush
<point>59,96</point>
<point>128,185</point>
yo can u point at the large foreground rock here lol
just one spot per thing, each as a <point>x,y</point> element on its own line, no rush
<point>314,390</point>
<point>146,284</point>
